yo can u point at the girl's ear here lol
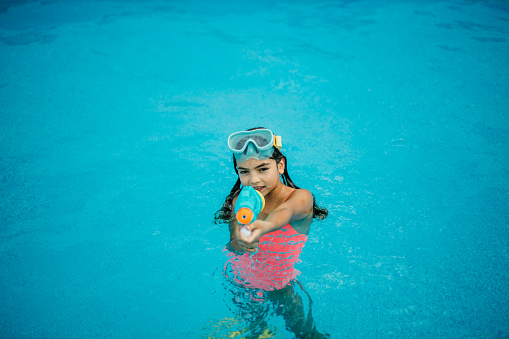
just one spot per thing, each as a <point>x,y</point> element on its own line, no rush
<point>281,166</point>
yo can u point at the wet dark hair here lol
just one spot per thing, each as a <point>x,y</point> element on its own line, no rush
<point>225,213</point>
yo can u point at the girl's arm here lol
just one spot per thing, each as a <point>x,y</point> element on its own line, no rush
<point>232,225</point>
<point>298,206</point>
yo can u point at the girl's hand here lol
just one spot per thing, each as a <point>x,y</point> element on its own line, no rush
<point>251,247</point>
<point>250,243</point>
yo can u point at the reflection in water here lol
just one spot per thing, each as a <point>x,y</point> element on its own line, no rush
<point>254,308</point>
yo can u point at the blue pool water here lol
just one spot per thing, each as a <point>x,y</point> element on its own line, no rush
<point>114,117</point>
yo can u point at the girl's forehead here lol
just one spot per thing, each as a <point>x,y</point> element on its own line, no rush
<point>253,163</point>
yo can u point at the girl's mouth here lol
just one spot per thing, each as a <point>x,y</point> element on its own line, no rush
<point>258,188</point>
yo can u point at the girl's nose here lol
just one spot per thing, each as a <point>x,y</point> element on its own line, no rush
<point>254,179</point>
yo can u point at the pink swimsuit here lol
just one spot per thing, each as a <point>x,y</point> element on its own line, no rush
<point>272,267</point>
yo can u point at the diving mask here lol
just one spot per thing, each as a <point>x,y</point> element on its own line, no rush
<point>258,144</point>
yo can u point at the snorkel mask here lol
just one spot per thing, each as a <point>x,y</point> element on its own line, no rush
<point>257,144</point>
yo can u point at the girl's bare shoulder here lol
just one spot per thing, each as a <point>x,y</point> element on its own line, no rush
<point>300,194</point>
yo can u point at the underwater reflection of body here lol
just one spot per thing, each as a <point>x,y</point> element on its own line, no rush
<point>254,307</point>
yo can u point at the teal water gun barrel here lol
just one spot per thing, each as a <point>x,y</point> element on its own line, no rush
<point>248,206</point>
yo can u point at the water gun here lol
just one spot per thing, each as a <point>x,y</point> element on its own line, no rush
<point>249,204</point>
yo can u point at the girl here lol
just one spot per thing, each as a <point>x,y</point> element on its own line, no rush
<point>264,261</point>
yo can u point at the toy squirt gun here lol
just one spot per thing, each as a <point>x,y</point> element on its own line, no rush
<point>249,204</point>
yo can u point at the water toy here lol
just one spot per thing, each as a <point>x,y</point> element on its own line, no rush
<point>248,206</point>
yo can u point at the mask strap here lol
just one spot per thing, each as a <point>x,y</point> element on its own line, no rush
<point>277,142</point>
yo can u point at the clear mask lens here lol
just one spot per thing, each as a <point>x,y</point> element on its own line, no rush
<point>252,152</point>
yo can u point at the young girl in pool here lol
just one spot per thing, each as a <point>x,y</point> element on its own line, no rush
<point>264,261</point>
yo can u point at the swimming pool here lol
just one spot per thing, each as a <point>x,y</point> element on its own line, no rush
<point>114,122</point>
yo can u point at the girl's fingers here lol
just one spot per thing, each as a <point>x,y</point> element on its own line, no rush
<point>249,247</point>
<point>250,250</point>
<point>255,235</point>
<point>247,239</point>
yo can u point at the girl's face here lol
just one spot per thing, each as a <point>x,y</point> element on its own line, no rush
<point>263,175</point>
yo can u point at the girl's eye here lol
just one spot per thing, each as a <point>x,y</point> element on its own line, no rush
<point>263,169</point>
<point>242,172</point>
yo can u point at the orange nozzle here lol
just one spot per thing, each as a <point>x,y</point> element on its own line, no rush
<point>244,215</point>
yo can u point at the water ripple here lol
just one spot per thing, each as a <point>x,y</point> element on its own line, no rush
<point>27,38</point>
